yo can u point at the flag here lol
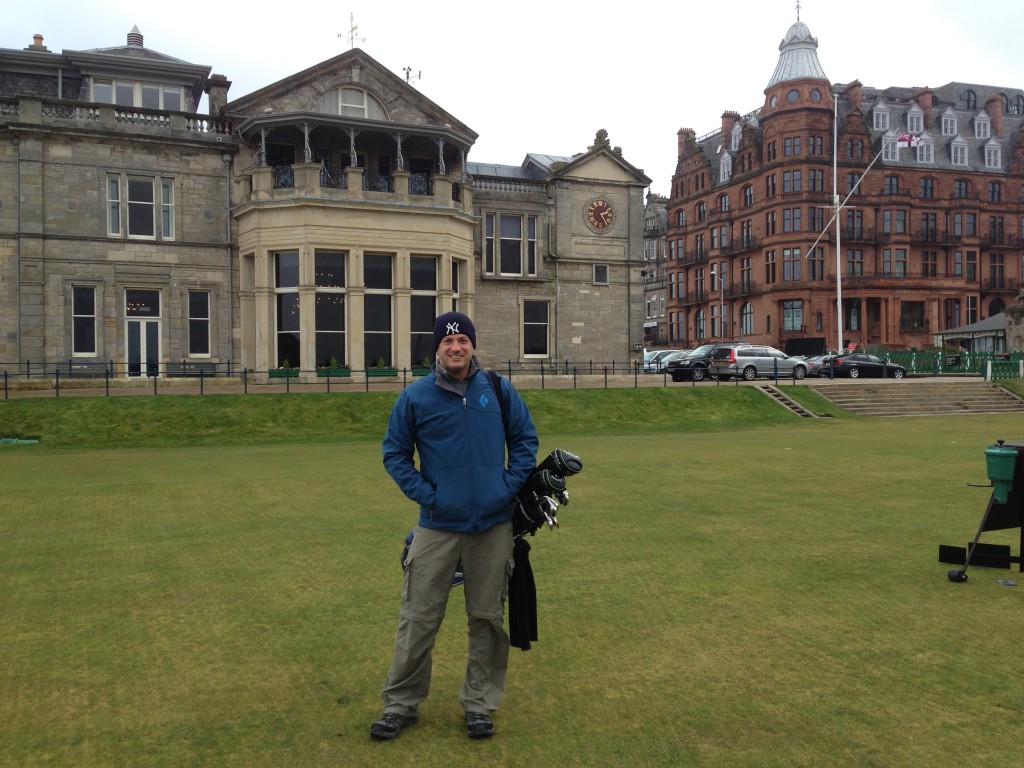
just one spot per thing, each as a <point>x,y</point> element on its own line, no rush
<point>906,140</point>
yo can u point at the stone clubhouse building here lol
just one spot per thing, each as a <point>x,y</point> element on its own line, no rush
<point>320,222</point>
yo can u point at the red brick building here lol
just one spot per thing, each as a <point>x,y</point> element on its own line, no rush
<point>932,236</point>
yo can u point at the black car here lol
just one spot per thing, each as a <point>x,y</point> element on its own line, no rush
<point>862,364</point>
<point>692,366</point>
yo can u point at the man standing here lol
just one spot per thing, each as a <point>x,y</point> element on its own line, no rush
<point>453,418</point>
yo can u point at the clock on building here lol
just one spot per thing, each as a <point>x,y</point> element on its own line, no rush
<point>600,214</point>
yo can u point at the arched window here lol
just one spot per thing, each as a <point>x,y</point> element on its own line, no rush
<point>352,102</point>
<point>970,99</point>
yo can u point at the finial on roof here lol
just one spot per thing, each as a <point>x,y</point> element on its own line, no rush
<point>798,10</point>
<point>135,37</point>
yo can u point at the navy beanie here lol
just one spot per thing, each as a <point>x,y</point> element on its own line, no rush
<point>451,323</point>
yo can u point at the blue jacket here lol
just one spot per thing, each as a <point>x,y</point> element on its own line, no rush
<point>462,483</point>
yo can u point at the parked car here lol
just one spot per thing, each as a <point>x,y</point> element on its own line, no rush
<point>649,354</point>
<point>859,364</point>
<point>752,361</point>
<point>655,363</point>
<point>817,365</point>
<point>693,365</point>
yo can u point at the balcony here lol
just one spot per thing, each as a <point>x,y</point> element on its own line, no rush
<point>1000,285</point>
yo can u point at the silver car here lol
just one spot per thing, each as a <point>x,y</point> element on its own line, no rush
<point>752,361</point>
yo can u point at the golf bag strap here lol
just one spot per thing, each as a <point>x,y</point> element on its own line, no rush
<point>495,378</point>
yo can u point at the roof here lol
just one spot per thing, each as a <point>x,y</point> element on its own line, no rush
<point>995,325</point>
<point>798,56</point>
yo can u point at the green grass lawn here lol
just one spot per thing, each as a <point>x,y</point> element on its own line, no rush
<point>731,586</point>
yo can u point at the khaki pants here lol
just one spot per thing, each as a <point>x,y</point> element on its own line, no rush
<point>487,563</point>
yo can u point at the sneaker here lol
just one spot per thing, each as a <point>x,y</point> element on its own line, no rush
<point>479,725</point>
<point>389,725</point>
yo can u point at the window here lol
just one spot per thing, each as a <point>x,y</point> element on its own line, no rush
<point>790,265</point>
<point>746,319</point>
<point>894,262</point>
<point>890,148</point>
<point>995,192</point>
<point>970,99</point>
<point>601,274</point>
<point>927,188</point>
<point>925,150</point>
<point>993,155</point>
<point>854,262</point>
<point>790,219</point>
<point>958,152</point>
<point>960,189</point>
<point>996,273</point>
<point>792,315</point>
<point>791,146</point>
<point>851,314</point>
<point>199,323</point>
<point>854,224</point>
<point>815,146</point>
<point>949,123</point>
<point>915,119</point>
<point>769,185</point>
<point>791,181</point>
<point>378,279</point>
<point>958,264</point>
<point>855,149</point>
<point>681,218</point>
<point>352,102</point>
<point>881,117</point>
<point>971,266</point>
<point>510,245</point>
<point>702,211</point>
<point>982,126</point>
<point>723,203</point>
<point>929,264</point>
<point>127,93</point>
<point>734,138</point>
<point>769,223</point>
<point>769,267</point>
<point>286,289</point>
<point>894,222</point>
<point>816,264</point>
<point>748,194</point>
<point>423,281</point>
<point>892,185</point>
<point>816,181</point>
<point>725,167</point>
<point>700,325</point>
<point>83,320</point>
<point>535,328</point>
<point>140,206</point>
<point>329,274</point>
<point>929,227</point>
<point>852,183</point>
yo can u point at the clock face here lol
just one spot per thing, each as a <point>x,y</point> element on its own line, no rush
<point>600,214</point>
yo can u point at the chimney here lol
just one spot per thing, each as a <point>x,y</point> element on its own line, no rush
<point>37,43</point>
<point>925,100</point>
<point>854,94</point>
<point>135,38</point>
<point>729,119</point>
<point>217,93</point>
<point>684,136</point>
<point>994,107</point>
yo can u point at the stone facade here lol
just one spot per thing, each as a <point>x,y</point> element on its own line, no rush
<point>325,218</point>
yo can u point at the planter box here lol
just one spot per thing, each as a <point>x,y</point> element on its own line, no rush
<point>380,372</point>
<point>418,371</point>
<point>334,372</point>
<point>283,373</point>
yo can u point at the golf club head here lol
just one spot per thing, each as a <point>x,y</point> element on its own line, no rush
<point>957,575</point>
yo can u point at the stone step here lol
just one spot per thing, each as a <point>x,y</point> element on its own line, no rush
<point>924,397</point>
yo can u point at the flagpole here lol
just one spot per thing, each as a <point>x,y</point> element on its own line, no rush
<point>835,216</point>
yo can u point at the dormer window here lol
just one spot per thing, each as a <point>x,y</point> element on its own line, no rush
<point>352,102</point>
<point>970,99</point>
<point>982,126</point>
<point>734,139</point>
<point>915,119</point>
<point>725,167</point>
<point>949,123</point>
<point>993,154</point>
<point>129,93</point>
<point>958,151</point>
<point>881,116</point>
<point>925,149</point>
<point>890,148</point>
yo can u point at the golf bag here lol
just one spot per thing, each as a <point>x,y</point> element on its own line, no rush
<point>543,493</point>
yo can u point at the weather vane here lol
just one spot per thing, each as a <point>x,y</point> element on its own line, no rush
<point>409,77</point>
<point>351,35</point>
<point>798,10</point>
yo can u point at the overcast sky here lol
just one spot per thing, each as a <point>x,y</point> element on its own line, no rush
<point>545,76</point>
